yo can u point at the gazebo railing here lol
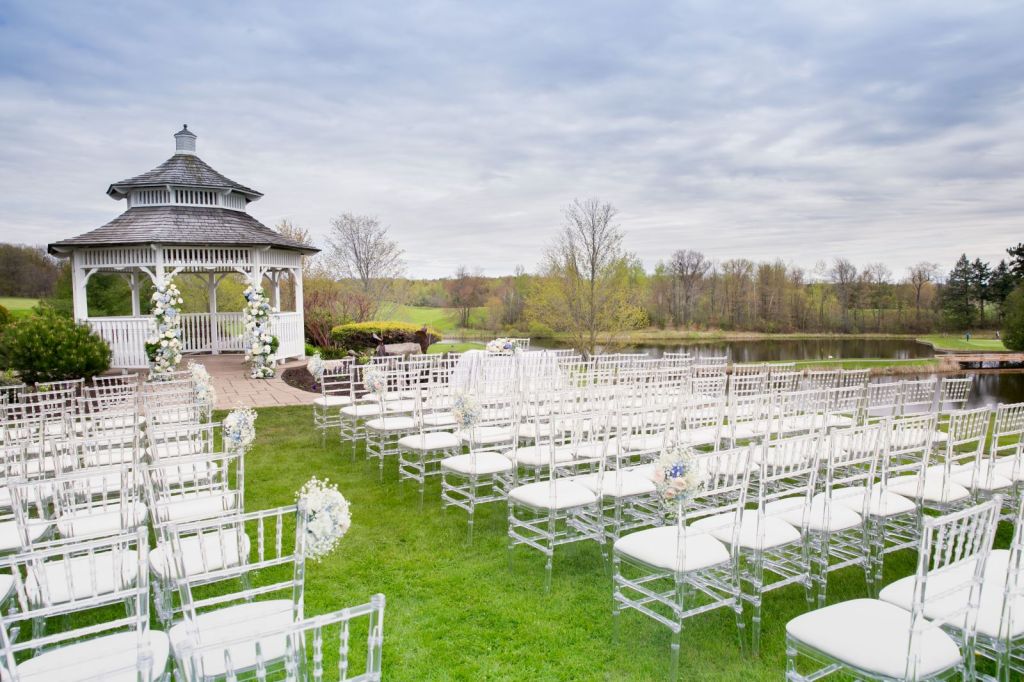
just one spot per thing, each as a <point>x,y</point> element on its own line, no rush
<point>200,333</point>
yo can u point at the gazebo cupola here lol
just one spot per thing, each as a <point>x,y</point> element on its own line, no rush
<point>185,218</point>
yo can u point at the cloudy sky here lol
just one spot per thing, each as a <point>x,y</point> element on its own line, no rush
<point>888,131</point>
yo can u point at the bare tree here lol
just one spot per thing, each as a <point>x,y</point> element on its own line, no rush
<point>688,269</point>
<point>360,250</point>
<point>467,290</point>
<point>587,288</point>
<point>920,276</point>
<point>844,278</point>
<point>877,278</point>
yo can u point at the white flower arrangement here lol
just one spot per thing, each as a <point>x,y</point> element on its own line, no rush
<point>328,516</point>
<point>375,382</point>
<point>239,429</point>
<point>202,382</point>
<point>164,347</point>
<point>262,344</point>
<point>466,411</point>
<point>676,476</point>
<point>316,367</point>
<point>501,346</point>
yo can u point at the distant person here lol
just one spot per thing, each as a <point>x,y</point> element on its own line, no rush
<point>968,337</point>
<point>380,350</point>
<point>997,335</point>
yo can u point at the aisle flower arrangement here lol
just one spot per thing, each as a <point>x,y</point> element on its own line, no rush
<point>466,411</point>
<point>328,516</point>
<point>316,367</point>
<point>502,346</point>
<point>202,382</point>
<point>239,429</point>
<point>163,348</point>
<point>676,476</point>
<point>262,344</point>
<point>375,382</point>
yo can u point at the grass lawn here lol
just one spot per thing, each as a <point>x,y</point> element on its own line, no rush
<point>19,307</point>
<point>441,319</point>
<point>458,612</point>
<point>958,342</point>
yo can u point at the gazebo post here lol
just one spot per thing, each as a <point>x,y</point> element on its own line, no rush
<point>211,288</point>
<point>80,302</point>
<point>133,281</point>
<point>297,278</point>
<point>275,290</point>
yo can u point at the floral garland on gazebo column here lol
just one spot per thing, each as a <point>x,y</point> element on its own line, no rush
<point>163,348</point>
<point>262,344</point>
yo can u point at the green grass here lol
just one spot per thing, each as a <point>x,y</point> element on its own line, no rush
<point>441,319</point>
<point>19,307</point>
<point>959,343</point>
<point>451,347</point>
<point>458,612</point>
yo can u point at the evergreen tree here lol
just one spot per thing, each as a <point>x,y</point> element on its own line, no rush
<point>958,294</point>
<point>1017,262</point>
<point>1000,285</point>
<point>1013,321</point>
<point>981,275</point>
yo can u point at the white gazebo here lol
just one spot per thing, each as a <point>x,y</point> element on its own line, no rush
<point>185,218</point>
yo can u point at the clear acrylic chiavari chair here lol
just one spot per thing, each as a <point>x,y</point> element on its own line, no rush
<point>880,640</point>
<point>83,580</point>
<point>675,572</point>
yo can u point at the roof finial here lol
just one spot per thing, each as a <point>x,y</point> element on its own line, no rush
<point>184,141</point>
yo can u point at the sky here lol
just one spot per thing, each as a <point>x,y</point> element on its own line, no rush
<point>875,131</point>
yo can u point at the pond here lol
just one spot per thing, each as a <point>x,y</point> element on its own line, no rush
<point>776,350</point>
<point>990,387</point>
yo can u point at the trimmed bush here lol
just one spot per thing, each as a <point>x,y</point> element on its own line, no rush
<point>49,347</point>
<point>359,335</point>
<point>5,316</point>
<point>1013,319</point>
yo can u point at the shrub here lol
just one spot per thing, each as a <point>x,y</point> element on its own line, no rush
<point>49,347</point>
<point>359,335</point>
<point>5,316</point>
<point>1013,319</point>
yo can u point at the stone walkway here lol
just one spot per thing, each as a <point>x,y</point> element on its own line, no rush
<point>235,389</point>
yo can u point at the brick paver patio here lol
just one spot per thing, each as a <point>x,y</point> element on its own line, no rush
<point>235,389</point>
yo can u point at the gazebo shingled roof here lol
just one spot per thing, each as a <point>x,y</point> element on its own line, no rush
<point>180,169</point>
<point>183,225</point>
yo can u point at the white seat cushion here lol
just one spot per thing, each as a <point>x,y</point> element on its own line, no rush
<point>1006,466</point>
<point>566,494</point>
<point>196,507</point>
<point>987,479</point>
<point>399,405</point>
<point>361,410</point>
<point>391,424</point>
<point>486,463</point>
<point>81,576</point>
<point>645,470</point>
<point>488,435</point>
<point>333,401</point>
<point>233,623</point>
<point>111,658</point>
<point>791,510</point>
<point>933,490</point>
<point>200,553</point>
<point>625,484</point>
<point>704,435</point>
<point>873,635</point>
<point>435,440</point>
<point>990,609</point>
<point>882,504</point>
<point>10,538</point>
<point>108,520</point>
<point>438,419</point>
<point>539,455</point>
<point>636,443</point>
<point>6,585</point>
<point>776,531</point>
<point>659,547</point>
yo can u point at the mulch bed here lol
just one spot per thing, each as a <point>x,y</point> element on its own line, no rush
<point>300,378</point>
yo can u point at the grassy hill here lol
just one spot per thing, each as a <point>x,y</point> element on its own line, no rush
<point>19,307</point>
<point>956,342</point>
<point>444,320</point>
